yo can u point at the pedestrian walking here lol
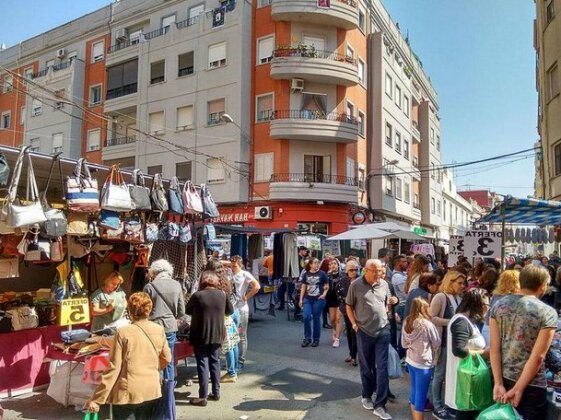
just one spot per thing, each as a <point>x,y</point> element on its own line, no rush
<point>331,302</point>
<point>429,284</point>
<point>315,285</point>
<point>367,302</point>
<point>341,289</point>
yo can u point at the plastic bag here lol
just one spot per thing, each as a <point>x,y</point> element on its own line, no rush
<point>474,390</point>
<point>499,411</point>
<point>394,364</point>
<point>91,416</point>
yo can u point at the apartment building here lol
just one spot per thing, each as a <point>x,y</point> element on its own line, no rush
<point>140,83</point>
<point>548,58</point>
<point>458,213</point>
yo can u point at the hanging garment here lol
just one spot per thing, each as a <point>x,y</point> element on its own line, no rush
<point>239,245</point>
<point>278,255</point>
<point>290,246</point>
<point>255,247</point>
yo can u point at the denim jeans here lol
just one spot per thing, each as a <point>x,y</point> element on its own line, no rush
<point>169,371</point>
<point>208,360</point>
<point>313,309</point>
<point>438,380</point>
<point>373,362</point>
<point>232,361</point>
<point>242,328</point>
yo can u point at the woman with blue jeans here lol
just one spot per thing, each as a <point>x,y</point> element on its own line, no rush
<point>315,285</point>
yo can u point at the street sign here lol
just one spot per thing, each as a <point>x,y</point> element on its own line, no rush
<point>483,243</point>
<point>74,311</point>
<point>420,230</point>
<point>456,249</point>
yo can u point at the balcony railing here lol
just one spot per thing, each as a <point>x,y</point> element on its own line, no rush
<point>351,3</point>
<point>118,141</point>
<point>319,178</point>
<point>124,44</point>
<point>121,91</point>
<point>187,22</point>
<point>156,33</point>
<point>306,114</point>
<point>55,67</point>
<point>310,52</point>
<point>185,71</point>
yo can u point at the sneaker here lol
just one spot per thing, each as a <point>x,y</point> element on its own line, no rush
<point>382,413</point>
<point>315,344</point>
<point>227,379</point>
<point>367,403</point>
<point>336,343</point>
<point>327,326</point>
<point>441,414</point>
<point>354,362</point>
<point>306,343</point>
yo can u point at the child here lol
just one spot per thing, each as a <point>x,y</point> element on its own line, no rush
<point>422,341</point>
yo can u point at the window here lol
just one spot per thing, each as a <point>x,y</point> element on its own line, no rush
<point>5,121</point>
<point>444,210</point>
<point>389,85</point>
<point>60,95</point>
<point>8,84</point>
<point>217,55</point>
<point>98,51</point>
<point>156,120</point>
<point>549,11</point>
<point>263,3</point>
<point>314,41</point>
<point>136,36</point>
<point>167,22</point>
<point>186,64</point>
<point>433,171</point>
<point>265,47</point>
<point>437,142</point>
<point>553,81</point>
<point>389,134</point>
<point>361,176</point>
<point>57,143</point>
<point>416,203</point>
<point>361,122</point>
<point>361,20</point>
<point>350,52</point>
<point>398,189</point>
<point>389,185</point>
<point>317,168</point>
<point>37,107</point>
<point>94,140</point>
<point>153,170</point>
<point>95,95</point>
<point>184,171</point>
<point>406,149</point>
<point>432,205</point>
<point>360,71</point>
<point>28,73</point>
<point>432,135</point>
<point>406,192</point>
<point>398,96</point>
<point>350,111</point>
<point>185,118</point>
<point>264,106</point>
<point>215,111</point>
<point>438,208</point>
<point>196,10</point>
<point>22,116</point>
<point>49,63</point>
<point>72,56</point>
<point>35,145</point>
<point>406,105</point>
<point>398,142</point>
<point>157,72</point>
<point>264,164</point>
<point>215,171</point>
<point>557,157</point>
<point>122,79</point>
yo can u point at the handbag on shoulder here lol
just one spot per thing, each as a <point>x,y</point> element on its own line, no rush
<point>115,194</point>
<point>82,191</point>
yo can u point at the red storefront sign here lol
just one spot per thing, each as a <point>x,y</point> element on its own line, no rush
<point>237,217</point>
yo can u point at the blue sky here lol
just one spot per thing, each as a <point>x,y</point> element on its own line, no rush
<point>478,53</point>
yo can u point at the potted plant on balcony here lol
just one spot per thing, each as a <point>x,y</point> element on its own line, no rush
<point>285,51</point>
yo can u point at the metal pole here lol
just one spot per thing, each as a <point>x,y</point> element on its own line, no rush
<point>503,239</point>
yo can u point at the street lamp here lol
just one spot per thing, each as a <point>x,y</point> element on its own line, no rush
<point>227,118</point>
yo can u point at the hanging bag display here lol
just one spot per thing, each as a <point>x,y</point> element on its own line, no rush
<point>115,194</point>
<point>109,219</point>
<point>82,192</point>
<point>5,227</point>
<point>134,232</point>
<point>140,194</point>
<point>210,210</point>
<point>56,222</point>
<point>77,224</point>
<point>174,196</point>
<point>4,170</point>
<point>57,250</point>
<point>158,195</point>
<point>474,390</point>
<point>192,202</point>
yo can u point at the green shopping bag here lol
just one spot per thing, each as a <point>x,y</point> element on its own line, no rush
<point>474,390</point>
<point>499,411</point>
<point>91,416</point>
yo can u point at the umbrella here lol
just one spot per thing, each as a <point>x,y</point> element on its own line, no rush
<point>362,232</point>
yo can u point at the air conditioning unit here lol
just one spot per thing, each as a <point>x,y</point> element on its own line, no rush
<point>263,213</point>
<point>297,85</point>
<point>121,34</point>
<point>60,53</point>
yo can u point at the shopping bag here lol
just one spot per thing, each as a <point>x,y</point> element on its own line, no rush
<point>499,411</point>
<point>474,390</point>
<point>91,416</point>
<point>394,364</point>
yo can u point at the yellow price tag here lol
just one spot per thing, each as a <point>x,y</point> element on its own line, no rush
<point>75,311</point>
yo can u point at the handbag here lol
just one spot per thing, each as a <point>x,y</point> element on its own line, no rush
<point>499,411</point>
<point>77,224</point>
<point>109,219</point>
<point>133,230</point>
<point>140,194</point>
<point>9,245</point>
<point>192,202</point>
<point>57,250</point>
<point>152,230</point>
<point>394,364</point>
<point>115,194</point>
<point>23,318</point>
<point>210,210</point>
<point>9,268</point>
<point>185,235</point>
<point>38,250</point>
<point>4,170</point>
<point>174,196</point>
<point>82,191</point>
<point>158,195</point>
<point>56,222</point>
<point>113,234</point>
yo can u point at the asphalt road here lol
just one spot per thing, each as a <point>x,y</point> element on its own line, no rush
<point>280,380</point>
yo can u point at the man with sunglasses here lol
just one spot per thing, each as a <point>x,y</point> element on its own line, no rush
<point>366,306</point>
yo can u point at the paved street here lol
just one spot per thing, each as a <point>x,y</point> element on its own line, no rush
<point>281,381</point>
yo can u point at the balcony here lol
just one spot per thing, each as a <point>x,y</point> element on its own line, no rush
<point>121,91</point>
<point>119,148</point>
<point>54,68</point>
<point>313,187</point>
<point>314,126</point>
<point>415,172</point>
<point>341,13</point>
<point>120,141</point>
<point>415,131</point>
<point>305,62</point>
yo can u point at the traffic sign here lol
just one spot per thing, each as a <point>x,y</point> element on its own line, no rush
<point>483,243</point>
<point>75,311</point>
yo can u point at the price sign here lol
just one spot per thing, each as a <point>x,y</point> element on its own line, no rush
<point>483,243</point>
<point>75,311</point>
<point>456,249</point>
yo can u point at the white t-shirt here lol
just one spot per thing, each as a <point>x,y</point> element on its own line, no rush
<point>240,284</point>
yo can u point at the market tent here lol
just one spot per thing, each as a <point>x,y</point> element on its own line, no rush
<point>525,211</point>
<point>362,232</point>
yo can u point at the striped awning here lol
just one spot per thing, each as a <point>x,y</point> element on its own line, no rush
<point>525,211</point>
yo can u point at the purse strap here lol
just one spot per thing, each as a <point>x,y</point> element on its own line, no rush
<point>13,188</point>
<point>138,178</point>
<point>149,339</point>
<point>31,182</point>
<point>56,159</point>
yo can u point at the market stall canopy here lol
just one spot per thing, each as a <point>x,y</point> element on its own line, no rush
<point>525,211</point>
<point>362,232</point>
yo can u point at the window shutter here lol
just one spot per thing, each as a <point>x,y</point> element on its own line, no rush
<point>215,170</point>
<point>97,51</point>
<point>216,53</point>
<point>266,47</point>
<point>184,117</point>
<point>156,122</point>
<point>57,142</point>
<point>264,166</point>
<point>196,10</point>
<point>94,140</point>
<point>216,106</point>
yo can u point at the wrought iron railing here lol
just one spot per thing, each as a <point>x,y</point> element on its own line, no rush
<point>315,178</point>
<point>123,44</point>
<point>185,71</point>
<point>156,33</point>
<point>118,141</point>
<point>187,22</point>
<point>309,51</point>
<point>306,114</point>
<point>55,67</point>
<point>121,91</point>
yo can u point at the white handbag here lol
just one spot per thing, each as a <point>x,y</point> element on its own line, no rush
<point>23,318</point>
<point>115,194</point>
<point>192,203</point>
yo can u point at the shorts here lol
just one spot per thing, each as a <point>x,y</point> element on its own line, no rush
<point>420,381</point>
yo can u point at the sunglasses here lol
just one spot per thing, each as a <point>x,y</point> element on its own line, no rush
<point>351,269</point>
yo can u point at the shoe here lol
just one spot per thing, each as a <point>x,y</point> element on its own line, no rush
<point>306,343</point>
<point>428,407</point>
<point>354,362</point>
<point>315,343</point>
<point>348,359</point>
<point>391,396</point>
<point>367,403</point>
<point>227,379</point>
<point>327,326</point>
<point>199,402</point>
<point>441,414</point>
<point>382,413</point>
<point>212,397</point>
<point>280,308</point>
<point>336,343</point>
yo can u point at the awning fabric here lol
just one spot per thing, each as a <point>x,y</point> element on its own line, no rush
<point>525,211</point>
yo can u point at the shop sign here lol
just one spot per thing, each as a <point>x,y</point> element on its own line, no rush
<point>420,230</point>
<point>456,249</point>
<point>232,218</point>
<point>359,218</point>
<point>483,243</point>
<point>74,311</point>
<point>332,248</point>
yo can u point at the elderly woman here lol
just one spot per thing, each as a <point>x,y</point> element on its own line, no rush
<point>109,302</point>
<point>169,305</point>
<point>132,381</point>
<point>341,289</point>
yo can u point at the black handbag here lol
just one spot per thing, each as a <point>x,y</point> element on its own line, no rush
<point>174,196</point>
<point>140,194</point>
<point>158,194</point>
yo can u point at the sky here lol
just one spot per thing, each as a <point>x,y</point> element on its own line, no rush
<point>478,53</point>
